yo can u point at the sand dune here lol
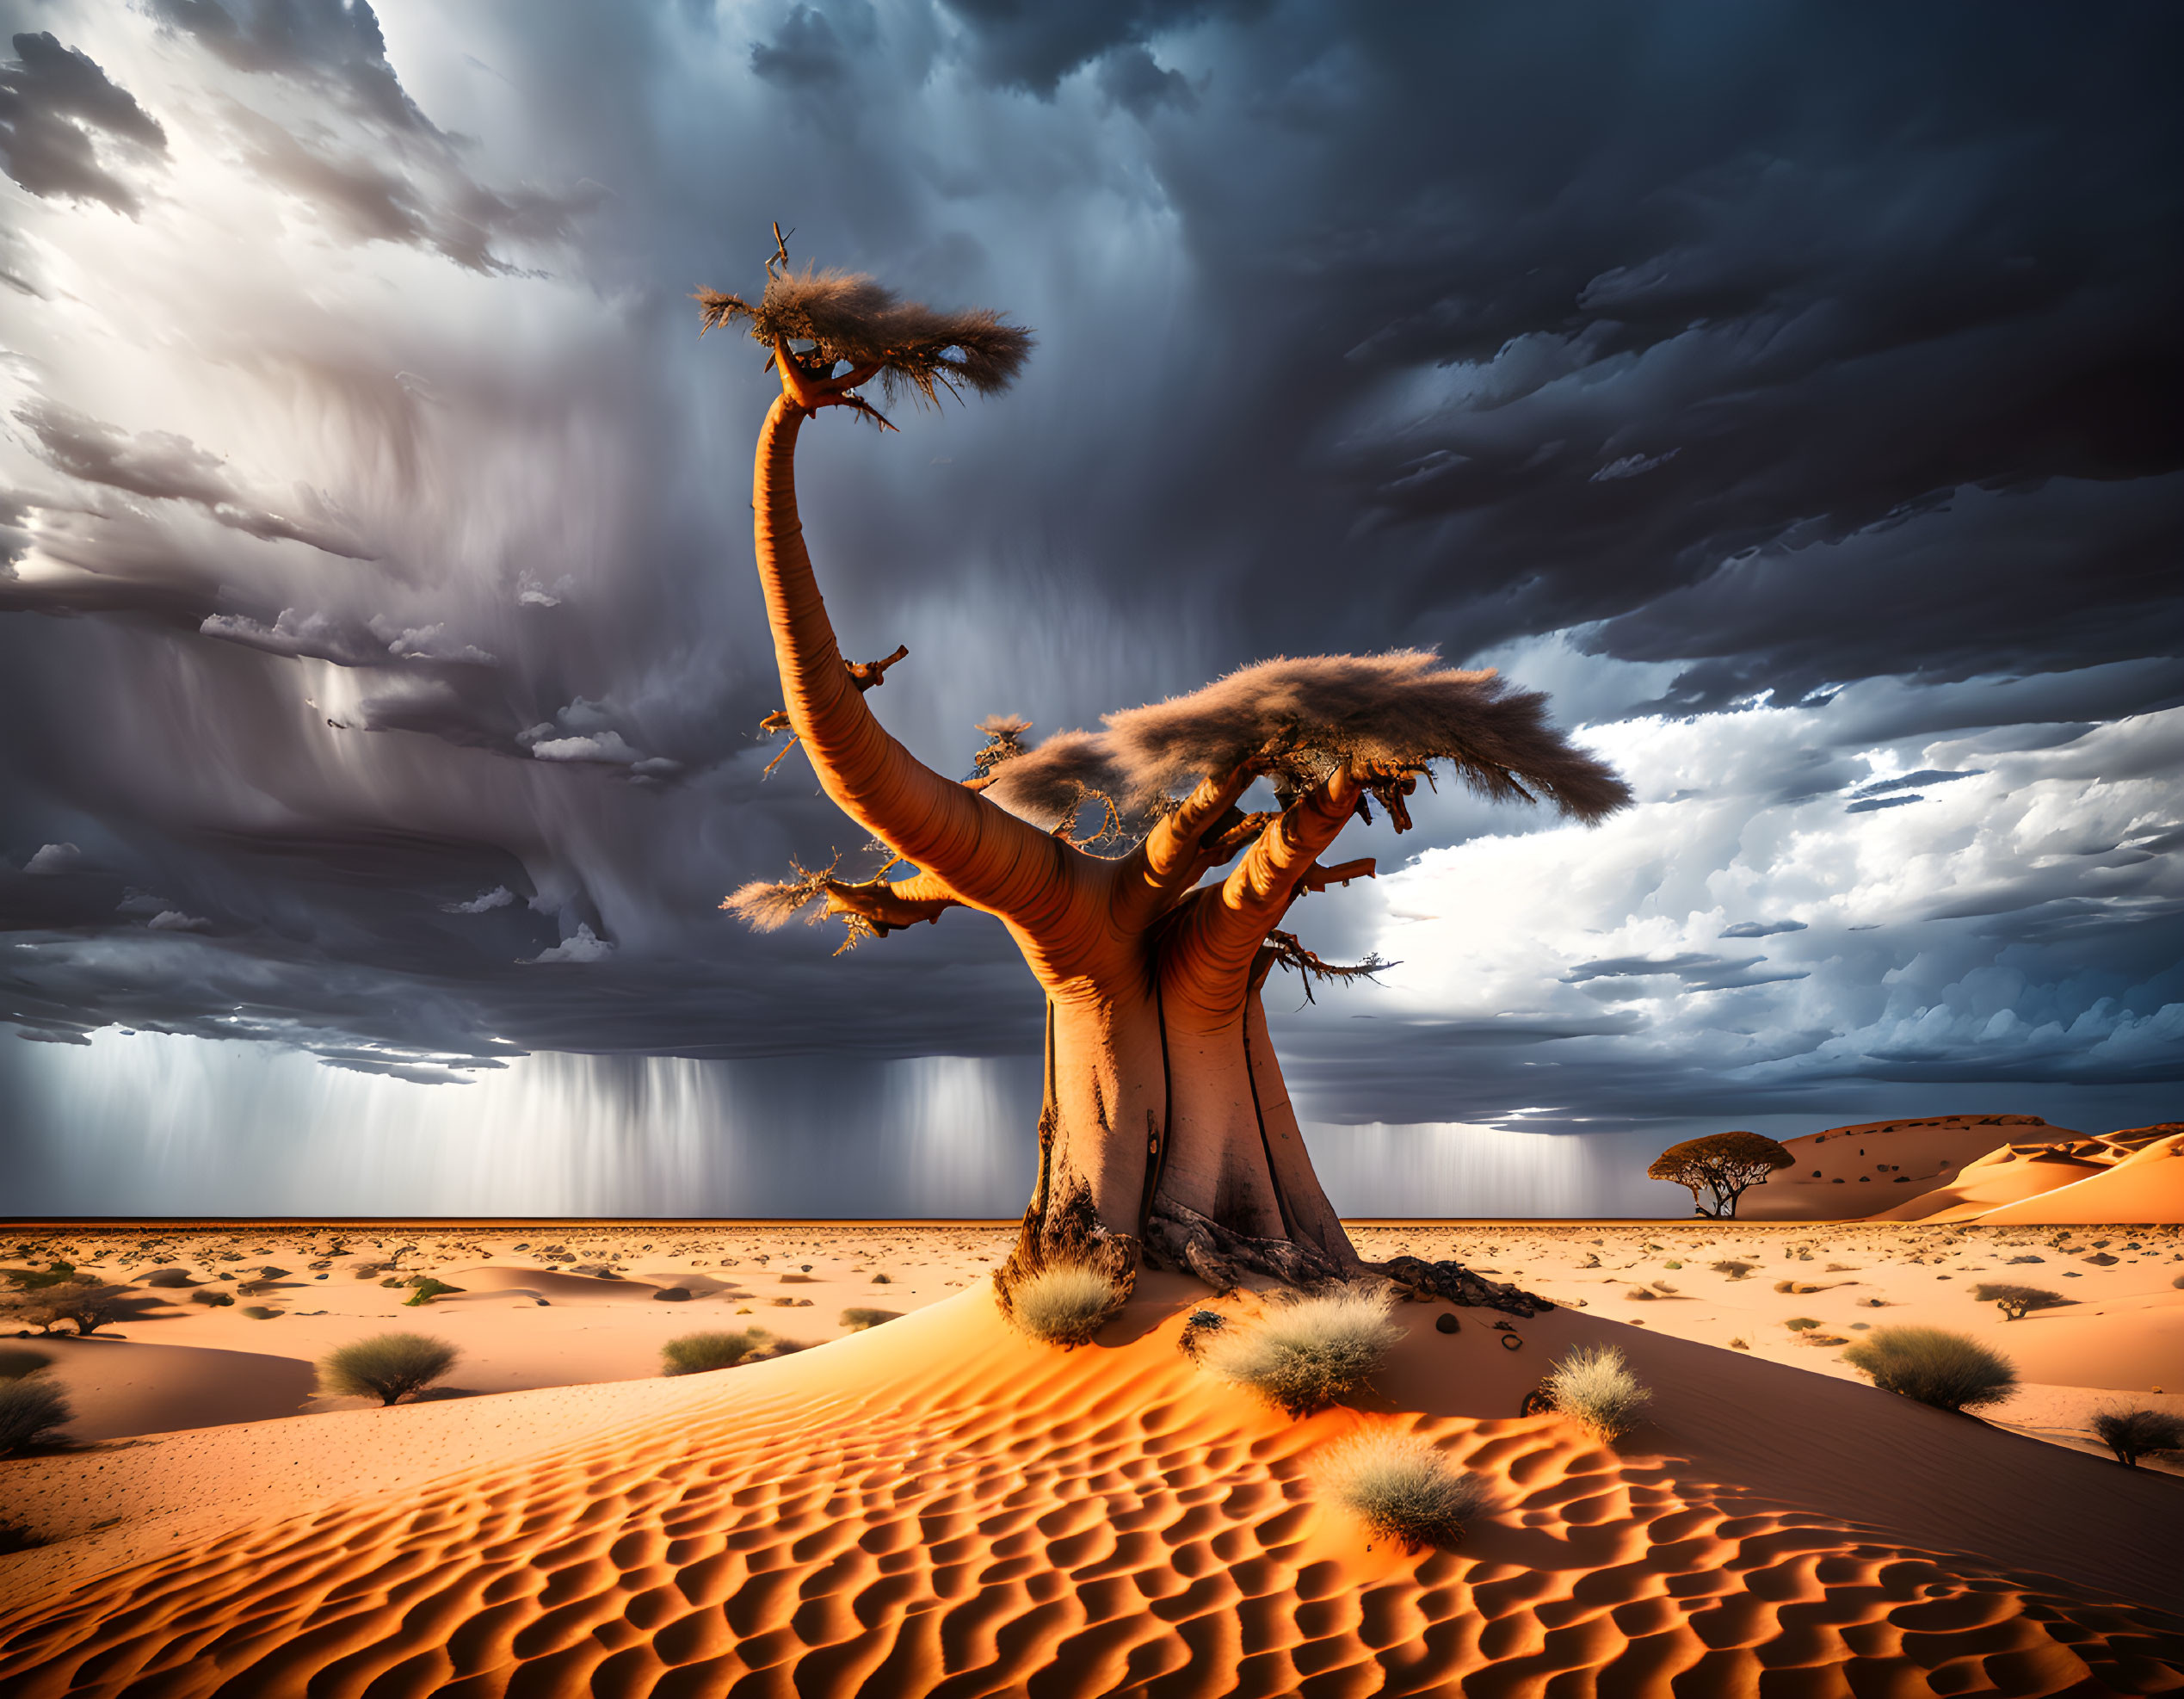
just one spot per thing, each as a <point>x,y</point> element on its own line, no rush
<point>1854,1172</point>
<point>2148,1185</point>
<point>941,1506</point>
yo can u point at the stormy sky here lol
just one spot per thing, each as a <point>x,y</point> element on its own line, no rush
<point>1791,391</point>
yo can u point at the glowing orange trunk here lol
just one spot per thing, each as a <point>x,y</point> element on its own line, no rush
<point>1164,1102</point>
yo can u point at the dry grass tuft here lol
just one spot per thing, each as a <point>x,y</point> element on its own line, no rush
<point>1404,1489</point>
<point>1064,1304</point>
<point>1304,1355</point>
<point>1594,1386</point>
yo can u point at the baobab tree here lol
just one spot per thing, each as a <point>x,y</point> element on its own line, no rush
<point>1166,1133</point>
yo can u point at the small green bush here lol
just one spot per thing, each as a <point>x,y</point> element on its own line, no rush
<point>428,1289</point>
<point>1733,1269</point>
<point>2132,1434</point>
<point>32,1409</point>
<point>1306,1353</point>
<point>1799,1324</point>
<point>1064,1304</point>
<point>1950,1371</point>
<point>1594,1387</point>
<point>262,1312</point>
<point>701,1353</point>
<point>386,1365</point>
<point>2016,1303</point>
<point>1404,1489</point>
<point>862,1318</point>
<point>214,1296</point>
<point>15,1363</point>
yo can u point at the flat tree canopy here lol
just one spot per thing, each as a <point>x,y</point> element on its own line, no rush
<point>1721,1164</point>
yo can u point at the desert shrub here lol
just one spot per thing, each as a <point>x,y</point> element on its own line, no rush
<point>89,1304</point>
<point>213,1295</point>
<point>166,1277</point>
<point>2132,1434</point>
<point>428,1289</point>
<point>701,1353</point>
<point>15,1363</point>
<point>1594,1387</point>
<point>673,1295</point>
<point>862,1318</point>
<point>1064,1304</point>
<point>1306,1353</point>
<point>262,1312</point>
<point>1949,1371</point>
<point>2016,1302</point>
<point>1404,1489</point>
<point>31,1409</point>
<point>386,1365</point>
<point>1740,1344</point>
<point>1800,1324</point>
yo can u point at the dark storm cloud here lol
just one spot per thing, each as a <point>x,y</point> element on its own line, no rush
<point>51,100</point>
<point>335,46</point>
<point>415,190</point>
<point>1032,45</point>
<point>1702,353</point>
<point>166,467</point>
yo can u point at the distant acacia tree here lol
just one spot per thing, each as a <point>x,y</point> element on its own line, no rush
<point>1166,1129</point>
<point>1722,1165</point>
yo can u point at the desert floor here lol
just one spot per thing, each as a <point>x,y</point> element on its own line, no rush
<point>939,1505</point>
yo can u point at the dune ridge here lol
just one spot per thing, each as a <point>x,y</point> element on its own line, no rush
<point>940,1506</point>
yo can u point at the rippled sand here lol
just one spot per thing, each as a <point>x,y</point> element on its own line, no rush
<point>941,1507</point>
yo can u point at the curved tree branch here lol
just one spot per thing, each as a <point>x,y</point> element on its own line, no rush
<point>1218,938</point>
<point>987,857</point>
<point>1175,855</point>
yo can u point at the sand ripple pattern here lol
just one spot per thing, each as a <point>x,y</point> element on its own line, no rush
<point>1115,1526</point>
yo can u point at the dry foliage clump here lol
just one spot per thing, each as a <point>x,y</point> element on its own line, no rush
<point>2016,1303</point>
<point>2132,1434</point>
<point>1950,1371</point>
<point>33,1411</point>
<point>849,319</point>
<point>1404,1489</point>
<point>1401,712</point>
<point>701,1353</point>
<point>386,1365</point>
<point>1064,1304</point>
<point>1306,1353</point>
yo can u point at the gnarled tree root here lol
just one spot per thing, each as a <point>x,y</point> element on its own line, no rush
<point>1181,1238</point>
<point>1458,1285</point>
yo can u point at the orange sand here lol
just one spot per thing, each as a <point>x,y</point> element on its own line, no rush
<point>941,1505</point>
<point>1859,1171</point>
